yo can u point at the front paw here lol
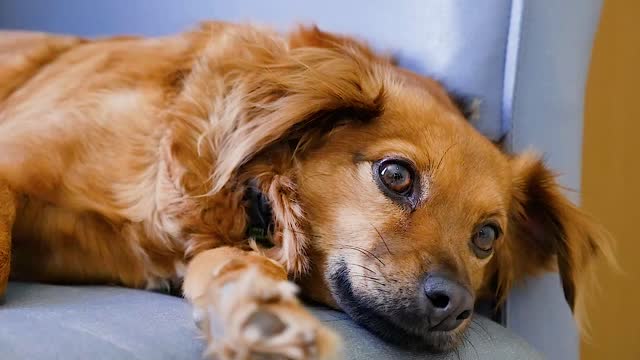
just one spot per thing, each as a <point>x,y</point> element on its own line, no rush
<point>257,317</point>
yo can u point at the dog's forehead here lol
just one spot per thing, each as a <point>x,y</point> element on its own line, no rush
<point>422,116</point>
<point>426,128</point>
<point>423,87</point>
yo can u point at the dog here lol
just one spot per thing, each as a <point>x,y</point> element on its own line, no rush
<point>241,164</point>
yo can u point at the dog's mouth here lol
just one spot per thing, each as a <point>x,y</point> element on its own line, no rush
<point>400,328</point>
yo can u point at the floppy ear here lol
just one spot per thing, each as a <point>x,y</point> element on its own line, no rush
<point>291,94</point>
<point>297,91</point>
<point>312,36</point>
<point>546,232</point>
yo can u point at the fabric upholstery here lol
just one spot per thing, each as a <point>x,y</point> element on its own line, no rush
<point>47,322</point>
<point>551,63</point>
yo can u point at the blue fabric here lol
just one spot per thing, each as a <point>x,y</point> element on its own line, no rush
<point>65,322</point>
<point>460,42</point>
<point>46,322</point>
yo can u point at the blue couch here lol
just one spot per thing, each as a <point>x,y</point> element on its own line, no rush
<point>526,60</point>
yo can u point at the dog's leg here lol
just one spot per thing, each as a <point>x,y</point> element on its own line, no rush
<point>7,217</point>
<point>247,309</point>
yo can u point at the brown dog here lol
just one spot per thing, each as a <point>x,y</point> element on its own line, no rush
<point>131,160</point>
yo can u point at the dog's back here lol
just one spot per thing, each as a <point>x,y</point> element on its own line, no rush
<point>89,132</point>
<point>23,54</point>
<point>78,123</point>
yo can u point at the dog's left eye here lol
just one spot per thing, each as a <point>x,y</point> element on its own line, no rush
<point>396,177</point>
<point>483,240</point>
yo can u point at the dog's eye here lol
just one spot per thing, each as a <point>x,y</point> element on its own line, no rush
<point>396,177</point>
<point>483,240</point>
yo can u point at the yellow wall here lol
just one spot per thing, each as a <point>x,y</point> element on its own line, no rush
<point>611,177</point>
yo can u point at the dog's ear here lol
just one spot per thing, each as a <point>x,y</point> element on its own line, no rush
<point>312,36</point>
<point>546,232</point>
<point>296,92</point>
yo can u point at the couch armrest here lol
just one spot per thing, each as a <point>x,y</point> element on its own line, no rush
<point>547,64</point>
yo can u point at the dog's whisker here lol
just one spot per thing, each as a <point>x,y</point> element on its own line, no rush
<point>369,277</point>
<point>474,321</point>
<point>382,238</point>
<point>430,164</point>
<point>479,334</point>
<point>374,272</point>
<point>357,249</point>
<point>379,282</point>
<point>442,158</point>
<point>466,340</point>
<point>363,251</point>
<point>364,267</point>
<point>456,350</point>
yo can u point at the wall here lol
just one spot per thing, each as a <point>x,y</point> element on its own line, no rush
<point>611,177</point>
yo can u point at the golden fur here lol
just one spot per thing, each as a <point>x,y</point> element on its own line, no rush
<point>129,158</point>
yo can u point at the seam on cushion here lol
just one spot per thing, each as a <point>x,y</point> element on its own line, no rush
<point>511,66</point>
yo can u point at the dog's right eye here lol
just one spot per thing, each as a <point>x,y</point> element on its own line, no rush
<point>396,177</point>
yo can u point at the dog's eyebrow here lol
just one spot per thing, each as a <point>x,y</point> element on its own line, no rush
<point>500,214</point>
<point>358,157</point>
<point>387,148</point>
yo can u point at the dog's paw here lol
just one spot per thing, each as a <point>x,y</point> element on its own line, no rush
<point>256,317</point>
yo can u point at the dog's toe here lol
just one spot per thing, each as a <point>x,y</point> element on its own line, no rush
<point>259,318</point>
<point>264,323</point>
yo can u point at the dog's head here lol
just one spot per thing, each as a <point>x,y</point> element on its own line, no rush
<point>388,204</point>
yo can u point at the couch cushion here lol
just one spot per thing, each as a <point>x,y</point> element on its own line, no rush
<point>81,322</point>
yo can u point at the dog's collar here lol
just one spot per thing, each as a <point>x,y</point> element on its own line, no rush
<point>259,215</point>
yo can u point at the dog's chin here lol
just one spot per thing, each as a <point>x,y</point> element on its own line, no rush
<point>399,328</point>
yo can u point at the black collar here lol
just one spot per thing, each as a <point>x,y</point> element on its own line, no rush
<point>260,223</point>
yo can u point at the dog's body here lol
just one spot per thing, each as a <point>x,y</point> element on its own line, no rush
<point>103,181</point>
<point>128,161</point>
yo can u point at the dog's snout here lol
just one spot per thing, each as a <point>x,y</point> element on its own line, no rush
<point>449,303</point>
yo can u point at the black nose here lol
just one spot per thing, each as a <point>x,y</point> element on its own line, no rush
<point>449,303</point>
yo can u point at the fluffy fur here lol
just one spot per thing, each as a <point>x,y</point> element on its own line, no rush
<point>129,158</point>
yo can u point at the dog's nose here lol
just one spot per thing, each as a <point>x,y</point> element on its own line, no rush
<point>449,303</point>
